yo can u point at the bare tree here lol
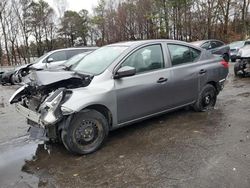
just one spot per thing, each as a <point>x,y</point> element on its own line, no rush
<point>21,9</point>
<point>3,15</point>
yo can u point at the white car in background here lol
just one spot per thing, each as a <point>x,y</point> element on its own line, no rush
<point>51,60</point>
<point>58,57</point>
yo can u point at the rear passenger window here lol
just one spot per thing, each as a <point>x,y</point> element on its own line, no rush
<point>219,44</point>
<point>206,45</point>
<point>182,54</point>
<point>214,45</point>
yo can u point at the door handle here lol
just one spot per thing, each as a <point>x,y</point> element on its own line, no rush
<point>202,71</point>
<point>162,80</point>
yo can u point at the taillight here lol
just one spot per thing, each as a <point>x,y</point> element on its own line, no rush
<point>224,64</point>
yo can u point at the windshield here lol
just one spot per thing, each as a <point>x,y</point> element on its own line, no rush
<point>99,60</point>
<point>237,44</point>
<point>75,59</point>
<point>40,58</point>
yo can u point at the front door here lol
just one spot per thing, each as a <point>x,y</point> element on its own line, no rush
<point>144,93</point>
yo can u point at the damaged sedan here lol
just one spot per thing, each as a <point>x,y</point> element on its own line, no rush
<point>118,85</point>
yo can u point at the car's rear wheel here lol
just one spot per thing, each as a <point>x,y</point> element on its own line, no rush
<point>86,132</point>
<point>207,99</point>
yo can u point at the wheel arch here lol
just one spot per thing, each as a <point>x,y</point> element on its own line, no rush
<point>215,84</point>
<point>103,110</point>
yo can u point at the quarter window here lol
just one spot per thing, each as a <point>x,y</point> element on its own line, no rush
<point>146,59</point>
<point>183,54</point>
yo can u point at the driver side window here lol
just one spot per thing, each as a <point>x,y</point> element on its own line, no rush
<point>206,46</point>
<point>146,59</point>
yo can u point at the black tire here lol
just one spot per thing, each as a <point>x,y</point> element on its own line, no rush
<point>206,99</point>
<point>233,60</point>
<point>86,133</point>
<point>226,57</point>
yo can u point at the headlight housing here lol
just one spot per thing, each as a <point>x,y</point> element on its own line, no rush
<point>55,101</point>
<point>50,109</point>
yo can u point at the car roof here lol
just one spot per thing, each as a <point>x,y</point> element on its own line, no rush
<point>201,42</point>
<point>208,40</point>
<point>75,48</point>
<point>142,42</point>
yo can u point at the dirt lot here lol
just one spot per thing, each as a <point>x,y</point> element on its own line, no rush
<point>180,149</point>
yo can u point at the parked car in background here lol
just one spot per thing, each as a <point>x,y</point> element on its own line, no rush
<point>18,77</point>
<point>118,85</point>
<point>73,61</point>
<point>242,66</point>
<point>215,47</point>
<point>49,60</point>
<point>58,57</point>
<point>235,47</point>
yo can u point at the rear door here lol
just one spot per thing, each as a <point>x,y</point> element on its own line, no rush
<point>186,73</point>
<point>144,93</point>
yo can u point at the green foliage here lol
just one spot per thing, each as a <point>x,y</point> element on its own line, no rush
<point>74,25</point>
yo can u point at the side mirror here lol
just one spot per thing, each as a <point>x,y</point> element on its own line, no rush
<point>50,60</point>
<point>125,72</point>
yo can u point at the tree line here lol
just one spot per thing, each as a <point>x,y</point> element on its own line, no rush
<point>30,28</point>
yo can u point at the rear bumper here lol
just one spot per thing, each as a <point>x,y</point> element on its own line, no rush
<point>221,84</point>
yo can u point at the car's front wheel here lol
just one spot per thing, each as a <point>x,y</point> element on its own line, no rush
<point>86,132</point>
<point>207,99</point>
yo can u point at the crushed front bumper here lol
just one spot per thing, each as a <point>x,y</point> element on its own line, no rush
<point>38,129</point>
<point>29,114</point>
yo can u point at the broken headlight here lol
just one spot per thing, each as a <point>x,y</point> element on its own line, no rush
<point>55,101</point>
<point>50,109</point>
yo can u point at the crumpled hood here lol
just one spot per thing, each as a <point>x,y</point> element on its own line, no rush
<point>57,78</point>
<point>45,82</point>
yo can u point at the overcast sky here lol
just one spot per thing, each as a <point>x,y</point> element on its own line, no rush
<point>77,5</point>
